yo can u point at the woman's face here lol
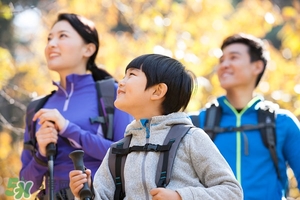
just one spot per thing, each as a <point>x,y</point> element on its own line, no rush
<point>66,50</point>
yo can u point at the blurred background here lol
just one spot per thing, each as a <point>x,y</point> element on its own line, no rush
<point>188,30</point>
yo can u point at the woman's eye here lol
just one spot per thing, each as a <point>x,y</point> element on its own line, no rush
<point>63,35</point>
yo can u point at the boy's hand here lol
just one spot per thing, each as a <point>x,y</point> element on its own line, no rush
<point>77,179</point>
<point>164,194</point>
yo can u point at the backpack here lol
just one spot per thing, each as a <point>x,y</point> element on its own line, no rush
<point>119,151</point>
<point>266,123</point>
<point>106,95</point>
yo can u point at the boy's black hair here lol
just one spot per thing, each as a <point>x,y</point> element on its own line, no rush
<point>255,46</point>
<point>163,69</point>
<point>86,29</point>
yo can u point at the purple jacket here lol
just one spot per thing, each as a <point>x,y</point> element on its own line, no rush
<point>77,104</point>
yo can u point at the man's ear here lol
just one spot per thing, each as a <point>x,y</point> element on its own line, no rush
<point>159,91</point>
<point>89,49</point>
<point>258,67</point>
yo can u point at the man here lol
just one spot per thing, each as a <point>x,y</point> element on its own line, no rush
<point>260,170</point>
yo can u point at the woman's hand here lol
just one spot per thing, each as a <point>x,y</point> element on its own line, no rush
<point>52,115</point>
<point>45,135</point>
<point>77,179</point>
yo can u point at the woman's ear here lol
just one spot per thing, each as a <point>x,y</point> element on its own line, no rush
<point>159,91</point>
<point>89,50</point>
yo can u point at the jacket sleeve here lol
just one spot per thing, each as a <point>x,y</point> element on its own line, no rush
<point>100,145</point>
<point>31,170</point>
<point>85,140</point>
<point>213,171</point>
<point>291,147</point>
<point>104,185</point>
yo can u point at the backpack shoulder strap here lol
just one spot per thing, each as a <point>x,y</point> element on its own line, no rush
<point>195,119</point>
<point>166,159</point>
<point>32,108</point>
<point>116,164</point>
<point>266,115</point>
<point>106,96</point>
<point>212,120</point>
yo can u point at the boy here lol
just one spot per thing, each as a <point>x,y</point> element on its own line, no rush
<point>154,90</point>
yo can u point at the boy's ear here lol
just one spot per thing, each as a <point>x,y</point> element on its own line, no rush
<point>159,91</point>
<point>89,50</point>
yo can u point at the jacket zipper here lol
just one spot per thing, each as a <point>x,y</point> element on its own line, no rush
<point>147,129</point>
<point>68,96</point>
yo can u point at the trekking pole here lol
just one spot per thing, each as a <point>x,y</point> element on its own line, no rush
<point>50,152</point>
<point>77,158</point>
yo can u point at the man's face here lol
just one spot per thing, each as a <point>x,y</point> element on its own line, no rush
<point>235,69</point>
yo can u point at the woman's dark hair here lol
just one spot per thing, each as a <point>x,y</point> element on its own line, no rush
<point>163,69</point>
<point>86,29</point>
<point>255,48</point>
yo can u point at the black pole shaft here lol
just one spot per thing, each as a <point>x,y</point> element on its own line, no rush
<point>51,183</point>
<point>51,151</point>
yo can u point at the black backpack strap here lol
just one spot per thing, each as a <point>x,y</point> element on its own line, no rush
<point>166,159</point>
<point>195,119</point>
<point>116,164</point>
<point>106,95</point>
<point>267,116</point>
<point>32,108</point>
<point>212,120</point>
<point>119,151</point>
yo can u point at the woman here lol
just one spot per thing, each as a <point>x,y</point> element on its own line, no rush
<point>65,118</point>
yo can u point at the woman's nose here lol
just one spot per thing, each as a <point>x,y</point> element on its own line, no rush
<point>52,42</point>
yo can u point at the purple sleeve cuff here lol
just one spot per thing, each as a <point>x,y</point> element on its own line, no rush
<point>64,129</point>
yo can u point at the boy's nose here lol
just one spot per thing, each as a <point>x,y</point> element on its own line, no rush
<point>121,82</point>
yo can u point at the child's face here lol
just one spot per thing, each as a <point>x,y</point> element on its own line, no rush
<point>132,96</point>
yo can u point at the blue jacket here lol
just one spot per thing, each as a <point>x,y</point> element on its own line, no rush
<point>77,104</point>
<point>249,159</point>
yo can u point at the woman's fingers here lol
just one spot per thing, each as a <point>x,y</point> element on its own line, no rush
<point>50,115</point>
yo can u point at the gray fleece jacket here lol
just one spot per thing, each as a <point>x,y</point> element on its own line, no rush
<point>199,170</point>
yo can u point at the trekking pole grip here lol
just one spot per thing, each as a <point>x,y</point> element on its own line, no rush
<point>77,158</point>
